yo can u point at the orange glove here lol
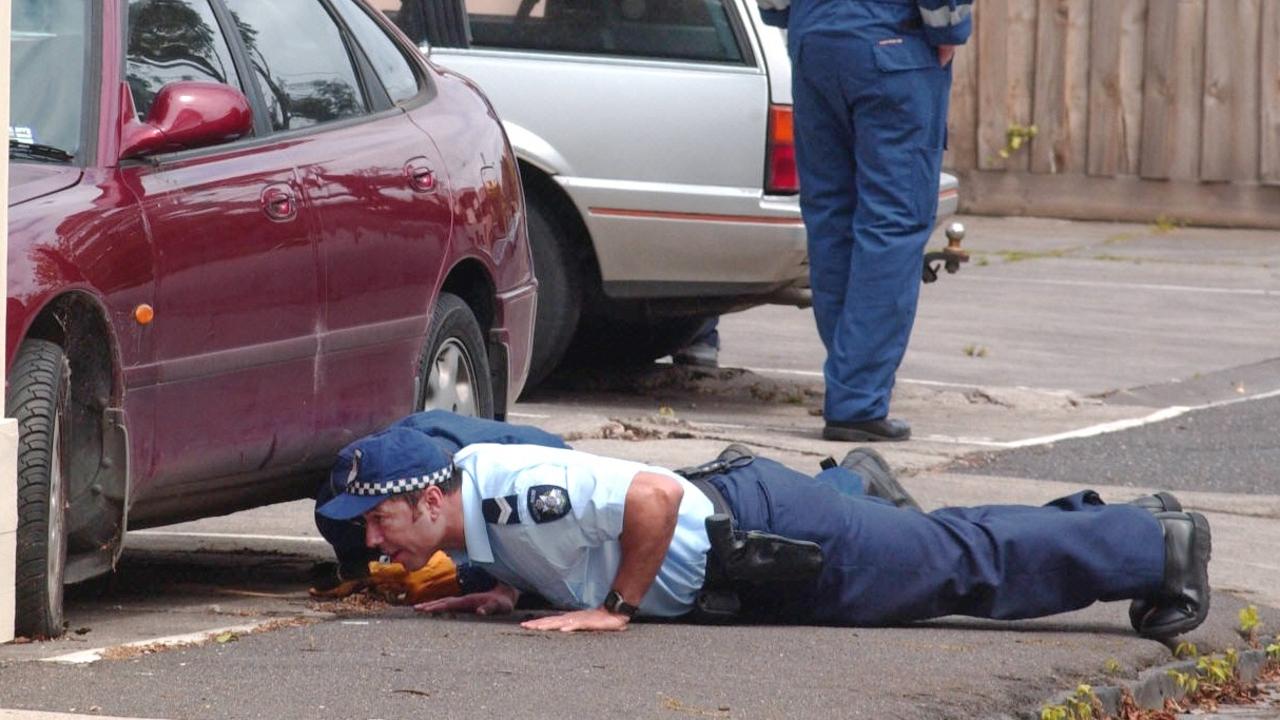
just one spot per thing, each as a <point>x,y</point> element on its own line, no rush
<point>437,579</point>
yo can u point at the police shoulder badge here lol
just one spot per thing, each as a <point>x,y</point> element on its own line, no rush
<point>547,503</point>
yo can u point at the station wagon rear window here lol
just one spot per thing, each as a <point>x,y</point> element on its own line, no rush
<point>697,30</point>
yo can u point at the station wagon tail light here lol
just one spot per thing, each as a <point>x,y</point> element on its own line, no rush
<point>781,176</point>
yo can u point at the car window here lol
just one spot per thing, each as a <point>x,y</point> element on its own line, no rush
<point>171,40</point>
<point>392,68</point>
<point>662,29</point>
<point>440,23</point>
<point>47,72</point>
<point>300,62</point>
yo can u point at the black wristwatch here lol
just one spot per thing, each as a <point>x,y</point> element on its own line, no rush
<point>614,603</point>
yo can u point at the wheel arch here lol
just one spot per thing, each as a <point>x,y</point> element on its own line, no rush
<point>540,186</point>
<point>97,467</point>
<point>532,149</point>
<point>471,281</point>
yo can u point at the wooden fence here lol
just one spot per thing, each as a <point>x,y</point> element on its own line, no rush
<point>1143,108</point>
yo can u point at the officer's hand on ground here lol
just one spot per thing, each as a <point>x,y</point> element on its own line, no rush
<point>946,53</point>
<point>597,620</point>
<point>499,601</point>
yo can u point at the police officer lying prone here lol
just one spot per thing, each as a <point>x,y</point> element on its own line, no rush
<point>745,538</point>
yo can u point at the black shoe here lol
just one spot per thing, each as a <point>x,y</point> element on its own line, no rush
<point>1158,503</point>
<point>882,430</point>
<point>878,479</point>
<point>1183,602</point>
<point>733,454</point>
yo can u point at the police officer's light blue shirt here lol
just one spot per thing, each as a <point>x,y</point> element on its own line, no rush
<point>572,560</point>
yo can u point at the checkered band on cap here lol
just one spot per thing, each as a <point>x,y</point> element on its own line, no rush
<point>401,485</point>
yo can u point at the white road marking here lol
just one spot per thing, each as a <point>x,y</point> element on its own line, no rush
<point>38,715</point>
<point>1104,428</point>
<point>1255,292</point>
<point>911,381</point>
<point>1090,431</point>
<point>85,657</point>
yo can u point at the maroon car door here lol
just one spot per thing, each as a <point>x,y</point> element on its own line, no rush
<point>380,196</point>
<point>237,296</point>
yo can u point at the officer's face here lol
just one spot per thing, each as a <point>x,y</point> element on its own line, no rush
<point>407,534</point>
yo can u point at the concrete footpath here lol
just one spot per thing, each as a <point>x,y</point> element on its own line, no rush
<point>1061,352</point>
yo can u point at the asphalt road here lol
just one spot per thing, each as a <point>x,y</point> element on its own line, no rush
<point>1223,449</point>
<point>1055,332</point>
<point>396,665</point>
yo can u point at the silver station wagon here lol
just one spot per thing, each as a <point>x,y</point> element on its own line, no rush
<point>656,151</point>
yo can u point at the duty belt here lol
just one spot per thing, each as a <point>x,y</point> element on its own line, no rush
<point>737,558</point>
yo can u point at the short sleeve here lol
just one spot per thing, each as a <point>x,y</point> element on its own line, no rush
<point>599,496</point>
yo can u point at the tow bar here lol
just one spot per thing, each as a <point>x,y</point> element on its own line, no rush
<point>949,257</point>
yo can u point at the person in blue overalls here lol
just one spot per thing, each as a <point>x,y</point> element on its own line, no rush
<point>745,538</point>
<point>871,80</point>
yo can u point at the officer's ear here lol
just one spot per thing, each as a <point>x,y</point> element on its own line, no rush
<point>431,502</point>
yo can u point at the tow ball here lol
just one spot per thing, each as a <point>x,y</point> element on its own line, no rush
<point>949,257</point>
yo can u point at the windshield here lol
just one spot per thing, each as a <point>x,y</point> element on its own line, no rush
<point>47,75</point>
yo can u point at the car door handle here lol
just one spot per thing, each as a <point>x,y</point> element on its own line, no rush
<point>420,175</point>
<point>280,203</point>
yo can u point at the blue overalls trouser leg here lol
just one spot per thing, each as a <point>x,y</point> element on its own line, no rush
<point>886,565</point>
<point>870,121</point>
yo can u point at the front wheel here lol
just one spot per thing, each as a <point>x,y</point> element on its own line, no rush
<point>39,388</point>
<point>453,373</point>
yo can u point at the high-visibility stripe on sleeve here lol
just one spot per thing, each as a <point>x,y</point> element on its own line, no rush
<point>946,16</point>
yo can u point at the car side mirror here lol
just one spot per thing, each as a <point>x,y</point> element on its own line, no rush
<point>186,115</point>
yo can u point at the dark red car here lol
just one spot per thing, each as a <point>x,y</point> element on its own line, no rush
<point>241,234</point>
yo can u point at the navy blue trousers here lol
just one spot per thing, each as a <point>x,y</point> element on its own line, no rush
<point>885,565</point>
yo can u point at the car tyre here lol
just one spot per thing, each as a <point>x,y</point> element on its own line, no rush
<point>39,389</point>
<point>559,290</point>
<point>453,373</point>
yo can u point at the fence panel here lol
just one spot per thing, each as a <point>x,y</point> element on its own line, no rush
<point>1006,62</point>
<point>1143,107</point>
<point>962,122</point>
<point>993,85</point>
<point>1229,149</point>
<point>1115,86</point>
<point>1062,86</point>
<point>1270,95</point>
<point>1172,98</point>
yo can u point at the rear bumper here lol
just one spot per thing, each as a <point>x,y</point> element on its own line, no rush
<point>656,240</point>
<point>511,344</point>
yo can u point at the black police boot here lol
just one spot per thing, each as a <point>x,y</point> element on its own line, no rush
<point>734,455</point>
<point>878,478</point>
<point>1160,502</point>
<point>1183,602</point>
<point>882,430</point>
